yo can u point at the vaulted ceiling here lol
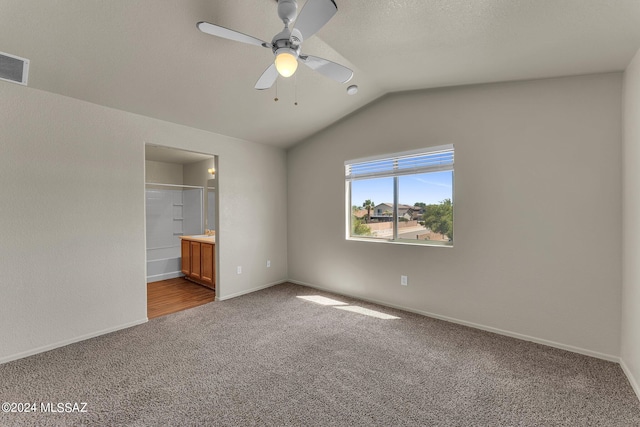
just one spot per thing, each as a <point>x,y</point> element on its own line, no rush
<point>147,57</point>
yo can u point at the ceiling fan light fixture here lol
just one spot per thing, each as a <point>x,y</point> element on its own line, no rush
<point>286,62</point>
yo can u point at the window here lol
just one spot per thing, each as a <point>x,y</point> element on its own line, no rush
<point>403,197</point>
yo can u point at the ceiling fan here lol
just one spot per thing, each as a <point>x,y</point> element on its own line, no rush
<point>286,44</point>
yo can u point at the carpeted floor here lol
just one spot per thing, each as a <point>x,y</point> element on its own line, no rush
<point>270,358</point>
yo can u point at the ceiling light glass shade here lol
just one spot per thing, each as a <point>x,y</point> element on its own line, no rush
<point>286,63</point>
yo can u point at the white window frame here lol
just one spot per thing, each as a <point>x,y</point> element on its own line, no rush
<point>369,170</point>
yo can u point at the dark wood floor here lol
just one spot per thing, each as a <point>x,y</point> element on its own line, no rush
<point>173,295</point>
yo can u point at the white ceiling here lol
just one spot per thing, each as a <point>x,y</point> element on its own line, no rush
<point>147,57</point>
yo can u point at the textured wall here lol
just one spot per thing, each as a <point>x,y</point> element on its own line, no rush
<point>630,346</point>
<point>72,258</point>
<point>537,250</point>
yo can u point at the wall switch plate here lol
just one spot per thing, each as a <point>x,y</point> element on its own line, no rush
<point>268,263</point>
<point>404,281</point>
<point>239,269</point>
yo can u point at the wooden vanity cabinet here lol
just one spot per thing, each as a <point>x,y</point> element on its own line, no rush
<point>186,257</point>
<point>207,264</point>
<point>198,261</point>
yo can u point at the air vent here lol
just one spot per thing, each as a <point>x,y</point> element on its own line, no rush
<point>13,68</point>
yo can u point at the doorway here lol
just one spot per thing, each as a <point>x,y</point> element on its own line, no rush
<point>180,204</point>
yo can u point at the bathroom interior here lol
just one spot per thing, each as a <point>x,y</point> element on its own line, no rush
<point>180,209</point>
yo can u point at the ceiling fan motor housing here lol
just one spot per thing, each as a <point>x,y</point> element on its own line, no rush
<point>286,41</point>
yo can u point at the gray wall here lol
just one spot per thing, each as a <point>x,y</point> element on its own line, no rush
<point>72,259</point>
<point>630,348</point>
<point>163,173</point>
<point>537,250</point>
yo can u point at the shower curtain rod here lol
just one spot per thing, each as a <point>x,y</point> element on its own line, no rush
<point>173,185</point>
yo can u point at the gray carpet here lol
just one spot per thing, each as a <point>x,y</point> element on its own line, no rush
<point>270,358</point>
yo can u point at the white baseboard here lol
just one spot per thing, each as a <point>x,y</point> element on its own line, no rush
<point>630,377</point>
<point>248,291</point>
<point>69,341</point>
<point>586,352</point>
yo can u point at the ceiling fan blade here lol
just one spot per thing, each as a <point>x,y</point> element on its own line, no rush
<point>225,33</point>
<point>268,78</point>
<point>334,71</point>
<point>313,16</point>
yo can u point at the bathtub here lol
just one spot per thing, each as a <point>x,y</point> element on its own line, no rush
<point>163,263</point>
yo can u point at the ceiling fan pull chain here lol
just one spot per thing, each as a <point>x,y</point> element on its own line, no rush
<point>276,98</point>
<point>295,89</point>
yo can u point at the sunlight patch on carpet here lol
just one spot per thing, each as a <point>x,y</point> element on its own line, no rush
<point>344,306</point>
<point>322,300</point>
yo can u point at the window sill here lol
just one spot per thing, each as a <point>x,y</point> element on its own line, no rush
<point>427,243</point>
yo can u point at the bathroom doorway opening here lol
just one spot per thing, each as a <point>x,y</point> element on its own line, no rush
<point>181,205</point>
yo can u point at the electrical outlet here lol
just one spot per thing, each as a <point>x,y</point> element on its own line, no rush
<point>404,281</point>
<point>239,269</point>
<point>268,263</point>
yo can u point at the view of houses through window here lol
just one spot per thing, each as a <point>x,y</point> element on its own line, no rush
<point>403,197</point>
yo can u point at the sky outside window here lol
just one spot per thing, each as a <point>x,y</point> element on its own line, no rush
<point>379,190</point>
<point>429,188</point>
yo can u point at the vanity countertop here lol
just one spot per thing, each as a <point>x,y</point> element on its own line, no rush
<point>200,238</point>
